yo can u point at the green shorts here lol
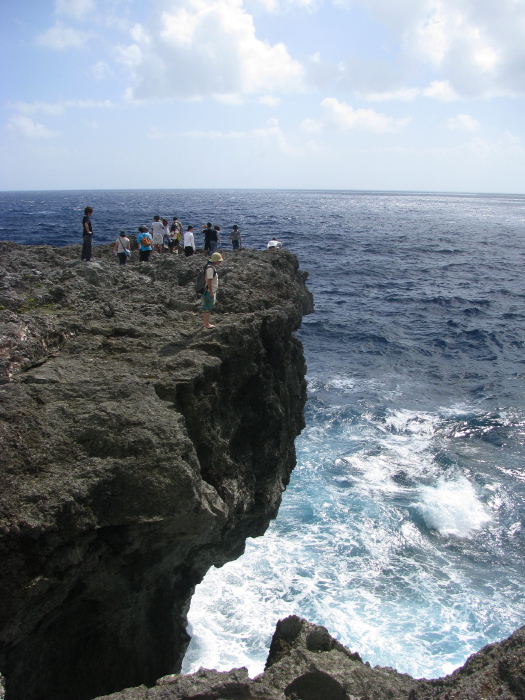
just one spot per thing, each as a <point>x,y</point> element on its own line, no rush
<point>207,301</point>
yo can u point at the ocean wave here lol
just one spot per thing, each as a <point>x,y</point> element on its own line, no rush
<point>453,507</point>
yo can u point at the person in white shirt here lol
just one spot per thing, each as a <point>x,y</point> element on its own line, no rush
<point>121,248</point>
<point>189,242</point>
<point>157,234</point>
<point>274,244</point>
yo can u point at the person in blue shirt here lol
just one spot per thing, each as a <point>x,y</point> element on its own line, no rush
<point>145,244</point>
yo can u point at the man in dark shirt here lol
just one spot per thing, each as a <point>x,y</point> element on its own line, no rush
<point>87,235</point>
<point>207,232</point>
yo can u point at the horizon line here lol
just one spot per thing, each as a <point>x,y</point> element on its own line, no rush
<point>271,189</point>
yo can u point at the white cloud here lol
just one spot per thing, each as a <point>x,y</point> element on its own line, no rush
<point>77,9</point>
<point>130,56</point>
<point>101,70</point>
<point>157,134</point>
<point>284,6</point>
<point>463,122</point>
<point>432,35</point>
<point>268,5</point>
<point>476,46</point>
<point>401,95</point>
<point>448,29</point>
<point>229,98</point>
<point>206,47</point>
<point>267,138</point>
<point>270,100</point>
<point>56,108</point>
<point>26,128</point>
<point>339,116</point>
<point>508,147</point>
<point>441,90</point>
<point>61,37</point>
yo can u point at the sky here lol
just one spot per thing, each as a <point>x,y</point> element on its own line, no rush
<point>417,95</point>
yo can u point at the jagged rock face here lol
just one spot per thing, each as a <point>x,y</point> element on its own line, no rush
<point>306,663</point>
<point>137,450</point>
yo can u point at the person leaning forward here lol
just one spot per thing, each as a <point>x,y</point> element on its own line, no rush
<point>210,293</point>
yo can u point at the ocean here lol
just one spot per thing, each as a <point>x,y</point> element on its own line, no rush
<point>402,528</point>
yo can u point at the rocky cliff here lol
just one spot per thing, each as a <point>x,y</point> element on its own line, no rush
<point>306,663</point>
<point>137,450</point>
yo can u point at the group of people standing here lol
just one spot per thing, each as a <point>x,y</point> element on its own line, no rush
<point>212,238</point>
<point>163,237</point>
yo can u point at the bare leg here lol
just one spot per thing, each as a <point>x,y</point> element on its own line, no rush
<point>206,320</point>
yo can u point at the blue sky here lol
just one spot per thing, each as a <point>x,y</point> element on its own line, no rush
<point>319,94</point>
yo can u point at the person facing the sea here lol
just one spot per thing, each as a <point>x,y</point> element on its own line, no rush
<point>215,239</point>
<point>165,236</point>
<point>87,235</point>
<point>235,238</point>
<point>176,229</point>
<point>210,293</point>
<point>274,244</point>
<point>144,241</point>
<point>189,242</point>
<point>157,233</point>
<point>122,248</point>
<point>207,231</point>
<point>173,243</point>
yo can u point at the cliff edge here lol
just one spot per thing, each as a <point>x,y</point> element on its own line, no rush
<point>137,450</point>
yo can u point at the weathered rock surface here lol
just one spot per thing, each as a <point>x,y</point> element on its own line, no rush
<point>306,663</point>
<point>137,450</point>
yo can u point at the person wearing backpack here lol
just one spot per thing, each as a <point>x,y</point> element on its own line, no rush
<point>144,241</point>
<point>210,292</point>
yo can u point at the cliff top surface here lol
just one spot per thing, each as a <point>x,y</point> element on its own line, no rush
<point>96,324</point>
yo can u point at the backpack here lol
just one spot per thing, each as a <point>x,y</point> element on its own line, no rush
<point>145,241</point>
<point>200,281</point>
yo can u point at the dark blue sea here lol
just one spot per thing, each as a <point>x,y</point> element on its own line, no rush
<point>402,529</point>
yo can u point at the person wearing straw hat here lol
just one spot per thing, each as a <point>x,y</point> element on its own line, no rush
<point>210,293</point>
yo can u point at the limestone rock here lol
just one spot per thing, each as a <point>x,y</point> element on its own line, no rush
<point>137,450</point>
<point>306,663</point>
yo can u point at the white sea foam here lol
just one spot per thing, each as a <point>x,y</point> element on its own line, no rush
<point>351,550</point>
<point>453,508</point>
